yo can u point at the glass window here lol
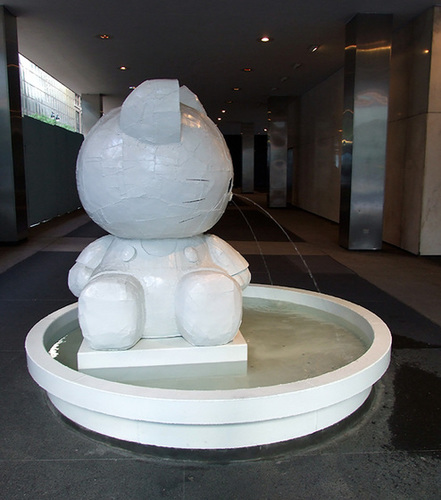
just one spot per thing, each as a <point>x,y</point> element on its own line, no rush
<point>47,99</point>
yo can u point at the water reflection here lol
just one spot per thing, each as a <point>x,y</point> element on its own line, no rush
<point>286,343</point>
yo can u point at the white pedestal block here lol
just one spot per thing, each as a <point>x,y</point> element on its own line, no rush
<point>173,351</point>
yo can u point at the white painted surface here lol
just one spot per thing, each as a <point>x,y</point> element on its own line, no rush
<point>162,352</point>
<point>157,167</point>
<point>157,174</point>
<point>212,419</point>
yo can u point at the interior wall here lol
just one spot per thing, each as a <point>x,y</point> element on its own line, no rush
<point>412,205</point>
<point>111,102</point>
<point>92,110</point>
<point>430,242</point>
<point>412,214</point>
<point>50,163</point>
<point>316,178</point>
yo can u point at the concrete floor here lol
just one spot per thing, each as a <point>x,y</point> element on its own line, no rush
<point>389,449</point>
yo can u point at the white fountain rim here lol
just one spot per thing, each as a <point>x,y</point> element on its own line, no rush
<point>238,405</point>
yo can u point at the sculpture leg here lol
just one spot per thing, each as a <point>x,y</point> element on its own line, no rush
<point>208,308</point>
<point>111,312</point>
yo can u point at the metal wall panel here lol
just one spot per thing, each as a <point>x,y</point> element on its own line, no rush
<point>366,96</point>
<point>247,132</point>
<point>13,216</point>
<point>50,163</point>
<point>278,151</point>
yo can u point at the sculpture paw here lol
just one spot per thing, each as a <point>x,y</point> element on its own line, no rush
<point>111,312</point>
<point>208,308</point>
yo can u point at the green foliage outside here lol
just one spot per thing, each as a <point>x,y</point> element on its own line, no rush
<point>52,121</point>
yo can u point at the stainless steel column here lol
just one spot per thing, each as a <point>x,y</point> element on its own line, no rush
<point>13,217</point>
<point>278,151</point>
<point>366,95</point>
<point>247,132</point>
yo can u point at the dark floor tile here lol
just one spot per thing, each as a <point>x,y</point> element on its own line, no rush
<point>281,270</point>
<point>41,276</point>
<point>235,225</point>
<point>352,476</point>
<point>318,264</point>
<point>402,413</point>
<point>414,422</point>
<point>30,429</point>
<point>261,278</point>
<point>89,230</point>
<point>91,479</point>
<point>313,272</point>
<point>285,265</point>
<point>294,280</point>
<point>366,476</point>
<point>409,328</point>
<point>17,317</point>
<point>349,287</point>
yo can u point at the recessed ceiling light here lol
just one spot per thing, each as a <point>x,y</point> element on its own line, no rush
<point>236,89</point>
<point>426,51</point>
<point>223,111</point>
<point>132,87</point>
<point>265,39</point>
<point>313,48</point>
<point>247,70</point>
<point>104,36</point>
<point>228,102</point>
<point>219,119</point>
<point>123,68</point>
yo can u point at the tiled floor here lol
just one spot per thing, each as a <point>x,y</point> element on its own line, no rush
<point>390,449</point>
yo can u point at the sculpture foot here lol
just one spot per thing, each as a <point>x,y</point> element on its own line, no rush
<point>111,312</point>
<point>208,308</point>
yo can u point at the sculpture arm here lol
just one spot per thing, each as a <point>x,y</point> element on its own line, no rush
<point>243,278</point>
<point>86,263</point>
<point>229,259</point>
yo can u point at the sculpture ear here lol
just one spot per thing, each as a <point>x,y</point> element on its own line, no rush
<point>151,113</point>
<point>191,100</point>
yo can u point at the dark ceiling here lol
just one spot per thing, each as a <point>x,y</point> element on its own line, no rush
<point>204,43</point>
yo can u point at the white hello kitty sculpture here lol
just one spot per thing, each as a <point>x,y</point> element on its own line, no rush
<point>156,174</point>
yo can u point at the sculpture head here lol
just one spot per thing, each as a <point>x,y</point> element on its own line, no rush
<point>157,167</point>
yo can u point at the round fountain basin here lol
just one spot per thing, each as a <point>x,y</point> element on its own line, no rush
<point>295,385</point>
